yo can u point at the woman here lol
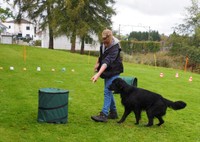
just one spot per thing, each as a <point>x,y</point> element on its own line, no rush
<point>108,66</point>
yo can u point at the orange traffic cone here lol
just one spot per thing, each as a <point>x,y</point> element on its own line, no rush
<point>176,75</point>
<point>190,79</point>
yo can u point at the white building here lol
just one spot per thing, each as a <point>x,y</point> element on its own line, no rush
<point>22,29</point>
<point>63,42</point>
<point>2,28</point>
<point>26,29</point>
<point>4,37</point>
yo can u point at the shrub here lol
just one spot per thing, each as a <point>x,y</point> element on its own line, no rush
<point>38,43</point>
<point>162,59</point>
<point>130,47</point>
<point>193,53</point>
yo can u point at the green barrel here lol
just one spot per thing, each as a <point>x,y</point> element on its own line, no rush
<point>53,105</point>
<point>130,80</point>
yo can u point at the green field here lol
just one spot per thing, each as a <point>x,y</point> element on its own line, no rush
<point>19,100</point>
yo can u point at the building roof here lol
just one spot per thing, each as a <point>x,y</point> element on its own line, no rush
<point>2,26</point>
<point>21,21</point>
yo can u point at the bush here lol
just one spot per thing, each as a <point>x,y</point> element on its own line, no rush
<point>193,54</point>
<point>38,43</point>
<point>163,63</point>
<point>162,59</point>
<point>130,47</point>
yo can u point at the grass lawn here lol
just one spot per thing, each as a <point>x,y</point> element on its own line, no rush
<point>19,100</point>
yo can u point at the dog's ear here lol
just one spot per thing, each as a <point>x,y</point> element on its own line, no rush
<point>120,83</point>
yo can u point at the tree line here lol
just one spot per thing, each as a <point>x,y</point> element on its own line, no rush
<point>144,36</point>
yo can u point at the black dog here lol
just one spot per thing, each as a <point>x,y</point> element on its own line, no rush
<point>137,99</point>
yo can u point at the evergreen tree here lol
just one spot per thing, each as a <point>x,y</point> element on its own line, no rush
<point>69,17</point>
<point>144,36</point>
<point>5,13</point>
<point>82,18</point>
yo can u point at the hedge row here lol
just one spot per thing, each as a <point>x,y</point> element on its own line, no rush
<point>130,47</point>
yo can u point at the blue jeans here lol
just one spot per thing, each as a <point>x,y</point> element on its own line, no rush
<point>109,102</point>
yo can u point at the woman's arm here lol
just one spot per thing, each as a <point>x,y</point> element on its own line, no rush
<point>97,75</point>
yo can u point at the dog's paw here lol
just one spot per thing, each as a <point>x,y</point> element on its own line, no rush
<point>148,125</point>
<point>159,124</point>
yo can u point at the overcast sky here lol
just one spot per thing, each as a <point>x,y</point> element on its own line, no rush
<point>140,15</point>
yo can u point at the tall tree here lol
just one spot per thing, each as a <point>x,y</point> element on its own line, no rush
<point>98,14</point>
<point>191,25</point>
<point>84,17</point>
<point>78,18</point>
<point>5,13</point>
<point>38,10</point>
<point>192,18</point>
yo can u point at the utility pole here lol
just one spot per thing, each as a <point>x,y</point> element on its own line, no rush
<point>119,32</point>
<point>149,34</point>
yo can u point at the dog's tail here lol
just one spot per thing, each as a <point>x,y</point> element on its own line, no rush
<point>175,105</point>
